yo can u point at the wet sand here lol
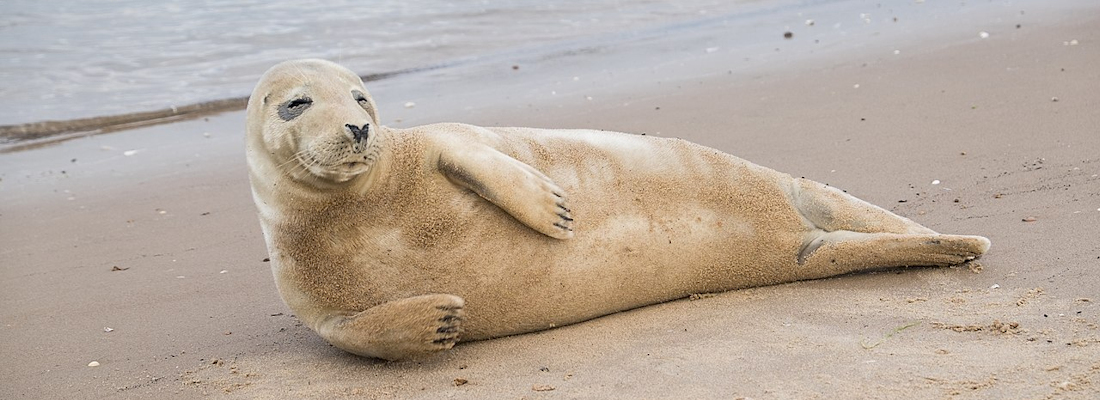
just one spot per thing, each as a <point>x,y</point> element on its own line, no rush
<point>152,234</point>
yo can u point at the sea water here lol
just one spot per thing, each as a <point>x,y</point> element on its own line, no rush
<point>70,59</point>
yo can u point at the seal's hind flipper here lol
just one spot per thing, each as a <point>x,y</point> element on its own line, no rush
<point>831,209</point>
<point>838,252</point>
<point>848,235</point>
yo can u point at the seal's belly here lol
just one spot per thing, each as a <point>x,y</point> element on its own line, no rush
<point>654,226</point>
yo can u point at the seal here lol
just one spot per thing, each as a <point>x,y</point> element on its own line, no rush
<point>397,243</point>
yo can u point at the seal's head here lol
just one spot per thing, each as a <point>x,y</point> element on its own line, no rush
<point>314,119</point>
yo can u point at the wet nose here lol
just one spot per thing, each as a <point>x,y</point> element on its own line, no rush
<point>359,134</point>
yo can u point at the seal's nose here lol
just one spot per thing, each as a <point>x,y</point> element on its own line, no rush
<point>359,134</point>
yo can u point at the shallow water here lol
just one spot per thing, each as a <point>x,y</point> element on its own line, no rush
<point>70,59</point>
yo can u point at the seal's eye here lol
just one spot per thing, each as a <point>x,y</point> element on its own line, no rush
<point>364,102</point>
<point>361,98</point>
<point>292,109</point>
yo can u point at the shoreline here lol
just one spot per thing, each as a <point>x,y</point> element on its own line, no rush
<point>44,133</point>
<point>957,132</point>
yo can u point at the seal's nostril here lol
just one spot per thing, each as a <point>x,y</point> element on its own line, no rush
<point>357,133</point>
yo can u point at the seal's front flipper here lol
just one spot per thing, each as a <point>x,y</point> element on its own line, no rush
<point>405,328</point>
<point>517,188</point>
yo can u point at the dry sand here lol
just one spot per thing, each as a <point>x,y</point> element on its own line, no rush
<point>161,245</point>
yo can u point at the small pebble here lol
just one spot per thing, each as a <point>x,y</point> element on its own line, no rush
<point>788,35</point>
<point>542,388</point>
<point>983,34</point>
<point>1054,99</point>
<point>107,329</point>
<point>809,22</point>
<point>711,49</point>
<point>856,86</point>
<point>936,182</point>
<point>460,382</point>
<point>410,105</point>
<point>93,364</point>
<point>896,52</point>
<point>995,286</point>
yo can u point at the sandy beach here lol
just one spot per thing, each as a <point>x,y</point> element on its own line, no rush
<point>140,250</point>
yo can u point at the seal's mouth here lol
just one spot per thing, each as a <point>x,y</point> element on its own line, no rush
<point>326,169</point>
